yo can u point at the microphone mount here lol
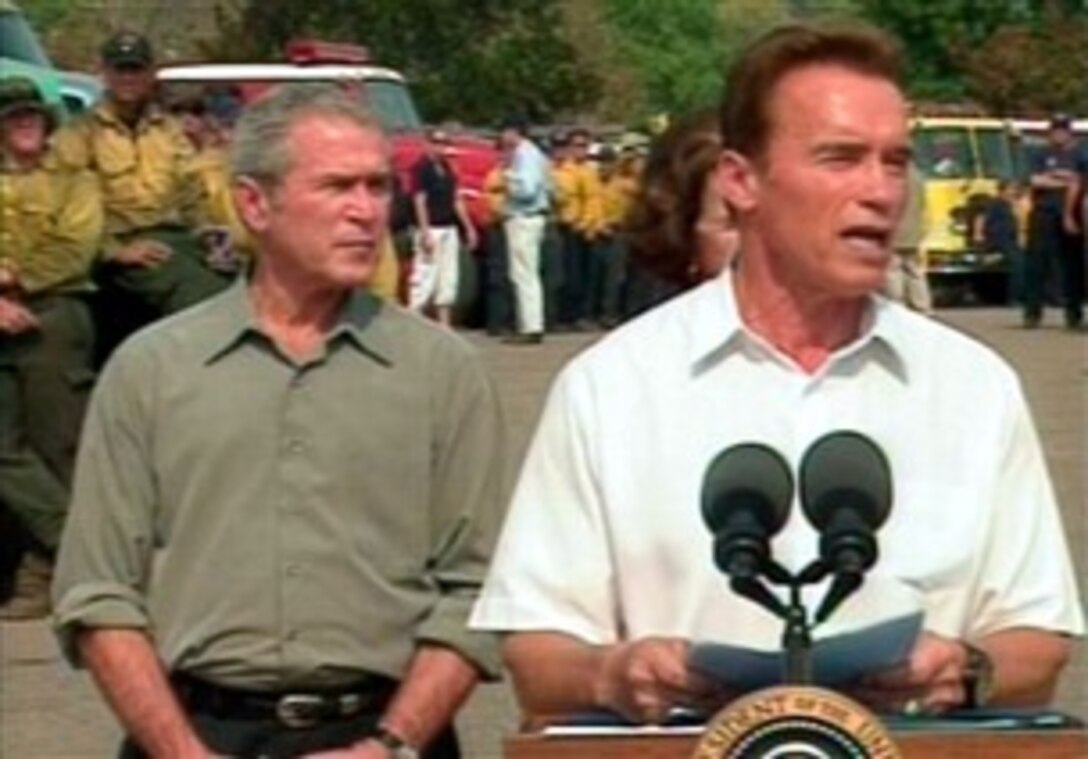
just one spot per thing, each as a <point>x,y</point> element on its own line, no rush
<point>744,518</point>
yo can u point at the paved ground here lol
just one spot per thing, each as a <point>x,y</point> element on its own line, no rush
<point>49,712</point>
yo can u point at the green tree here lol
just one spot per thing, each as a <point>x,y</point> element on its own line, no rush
<point>45,15</point>
<point>938,37</point>
<point>1033,70</point>
<point>676,49</point>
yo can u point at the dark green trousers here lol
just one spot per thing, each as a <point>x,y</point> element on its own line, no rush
<point>131,297</point>
<point>180,281</point>
<point>45,380</point>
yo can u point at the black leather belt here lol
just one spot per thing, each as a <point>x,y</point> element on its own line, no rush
<point>295,709</point>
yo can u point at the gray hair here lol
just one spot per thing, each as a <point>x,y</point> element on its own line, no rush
<point>259,147</point>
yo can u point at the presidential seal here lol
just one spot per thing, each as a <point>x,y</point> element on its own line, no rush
<point>795,723</point>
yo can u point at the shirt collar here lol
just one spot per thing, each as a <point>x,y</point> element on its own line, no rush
<point>233,320</point>
<point>152,113</point>
<point>717,330</point>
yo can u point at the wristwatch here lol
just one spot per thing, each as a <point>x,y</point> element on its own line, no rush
<point>397,746</point>
<point>978,677</point>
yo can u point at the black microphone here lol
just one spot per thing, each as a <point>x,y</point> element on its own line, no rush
<point>846,493</point>
<point>746,498</point>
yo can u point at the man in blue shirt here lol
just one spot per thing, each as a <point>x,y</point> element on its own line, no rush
<point>528,183</point>
<point>1055,172</point>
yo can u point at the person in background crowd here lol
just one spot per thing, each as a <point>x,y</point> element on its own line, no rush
<point>1055,174</point>
<point>906,273</point>
<point>604,574</point>
<point>286,497</point>
<point>441,219</point>
<point>608,272</point>
<point>578,221</point>
<point>50,227</point>
<point>402,220</point>
<point>499,306</point>
<point>528,191</point>
<point>679,230</point>
<point>224,236</point>
<point>1076,206</point>
<point>155,203</point>
<point>1002,233</point>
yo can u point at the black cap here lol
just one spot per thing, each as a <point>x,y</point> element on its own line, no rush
<point>1061,121</point>
<point>18,93</point>
<point>127,49</point>
<point>517,123</point>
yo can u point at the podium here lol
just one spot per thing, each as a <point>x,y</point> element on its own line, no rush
<point>943,744</point>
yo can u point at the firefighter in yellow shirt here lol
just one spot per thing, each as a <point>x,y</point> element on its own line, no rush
<point>499,298</point>
<point>224,236</point>
<point>579,224</point>
<point>50,228</point>
<point>155,203</point>
<point>608,272</point>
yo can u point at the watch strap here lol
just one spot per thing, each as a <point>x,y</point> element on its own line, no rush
<point>977,677</point>
<point>398,747</point>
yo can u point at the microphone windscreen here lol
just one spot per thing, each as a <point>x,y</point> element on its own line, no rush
<point>845,469</point>
<point>747,477</point>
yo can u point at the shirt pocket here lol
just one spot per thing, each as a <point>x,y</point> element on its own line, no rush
<point>114,156</point>
<point>35,212</point>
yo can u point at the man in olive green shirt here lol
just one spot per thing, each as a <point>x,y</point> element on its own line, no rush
<point>287,496</point>
<point>50,224</point>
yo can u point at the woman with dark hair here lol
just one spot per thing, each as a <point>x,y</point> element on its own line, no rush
<point>679,230</point>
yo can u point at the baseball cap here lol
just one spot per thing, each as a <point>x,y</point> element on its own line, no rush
<point>127,49</point>
<point>515,122</point>
<point>18,93</point>
<point>1061,121</point>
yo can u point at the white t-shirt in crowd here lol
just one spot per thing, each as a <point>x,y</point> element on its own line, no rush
<point>605,539</point>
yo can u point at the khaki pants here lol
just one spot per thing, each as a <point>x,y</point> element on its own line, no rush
<point>524,237</point>
<point>907,283</point>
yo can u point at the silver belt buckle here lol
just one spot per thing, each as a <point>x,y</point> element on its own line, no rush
<point>299,710</point>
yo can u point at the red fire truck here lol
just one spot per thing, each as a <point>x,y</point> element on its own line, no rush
<point>228,86</point>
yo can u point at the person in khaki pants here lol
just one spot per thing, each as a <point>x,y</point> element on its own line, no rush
<point>50,225</point>
<point>906,274</point>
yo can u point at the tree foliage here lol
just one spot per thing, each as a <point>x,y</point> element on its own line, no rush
<point>938,36</point>
<point>1033,70</point>
<point>1011,56</point>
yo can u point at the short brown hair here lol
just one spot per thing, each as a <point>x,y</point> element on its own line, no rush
<point>744,113</point>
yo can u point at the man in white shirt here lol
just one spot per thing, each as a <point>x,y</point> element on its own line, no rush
<point>604,573</point>
<point>527,201</point>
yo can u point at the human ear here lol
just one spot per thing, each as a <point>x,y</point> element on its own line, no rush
<point>251,201</point>
<point>737,181</point>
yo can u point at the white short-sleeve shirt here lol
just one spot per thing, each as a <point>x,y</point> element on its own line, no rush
<point>605,540</point>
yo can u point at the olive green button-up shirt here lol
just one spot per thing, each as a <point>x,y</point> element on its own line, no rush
<point>277,525</point>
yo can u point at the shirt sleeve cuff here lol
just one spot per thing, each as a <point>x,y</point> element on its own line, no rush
<point>96,605</point>
<point>447,625</point>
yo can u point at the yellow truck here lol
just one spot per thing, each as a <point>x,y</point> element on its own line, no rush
<point>961,159</point>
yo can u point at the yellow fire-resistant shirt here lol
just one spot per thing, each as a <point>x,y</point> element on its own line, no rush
<point>148,173</point>
<point>50,228</point>
<point>617,192</point>
<point>495,194</point>
<point>212,165</point>
<point>578,196</point>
